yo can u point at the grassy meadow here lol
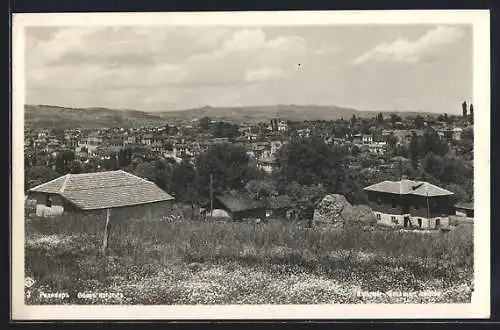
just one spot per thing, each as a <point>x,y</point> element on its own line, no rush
<point>213,262</point>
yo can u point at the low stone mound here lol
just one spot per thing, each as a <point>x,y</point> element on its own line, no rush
<point>334,210</point>
<point>361,214</point>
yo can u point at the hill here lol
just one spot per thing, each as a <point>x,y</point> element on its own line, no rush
<point>267,112</point>
<point>46,116</point>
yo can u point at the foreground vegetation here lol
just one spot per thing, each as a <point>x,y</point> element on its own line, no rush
<point>189,262</point>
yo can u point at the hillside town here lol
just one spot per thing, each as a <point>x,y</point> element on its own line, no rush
<point>433,149</point>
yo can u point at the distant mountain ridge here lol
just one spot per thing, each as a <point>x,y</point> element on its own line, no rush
<point>46,116</point>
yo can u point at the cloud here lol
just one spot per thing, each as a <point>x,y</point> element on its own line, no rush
<point>263,74</point>
<point>179,67</point>
<point>327,50</point>
<point>124,57</point>
<point>405,51</point>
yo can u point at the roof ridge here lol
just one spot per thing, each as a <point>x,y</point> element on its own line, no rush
<point>135,176</point>
<point>61,190</point>
<point>46,183</point>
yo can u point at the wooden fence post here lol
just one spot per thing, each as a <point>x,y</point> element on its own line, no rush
<point>106,233</point>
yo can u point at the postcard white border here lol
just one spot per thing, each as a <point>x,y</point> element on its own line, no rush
<point>478,308</point>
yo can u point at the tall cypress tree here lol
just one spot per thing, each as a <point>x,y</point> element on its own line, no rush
<point>464,109</point>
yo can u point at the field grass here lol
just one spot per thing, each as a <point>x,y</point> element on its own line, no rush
<point>191,262</point>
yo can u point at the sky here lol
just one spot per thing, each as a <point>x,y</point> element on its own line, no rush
<point>161,68</point>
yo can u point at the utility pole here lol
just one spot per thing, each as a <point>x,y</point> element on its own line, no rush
<point>106,234</point>
<point>428,211</point>
<point>211,194</point>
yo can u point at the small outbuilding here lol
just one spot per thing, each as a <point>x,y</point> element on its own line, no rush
<point>465,209</point>
<point>240,207</point>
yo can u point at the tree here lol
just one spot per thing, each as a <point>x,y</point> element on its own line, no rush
<point>380,118</point>
<point>355,151</point>
<point>58,132</point>
<point>205,123</point>
<point>464,109</point>
<point>392,140</point>
<point>459,192</point>
<point>64,161</point>
<point>419,122</point>
<point>431,142</point>
<point>184,182</point>
<point>365,128</point>
<point>471,110</point>
<point>433,164</point>
<point>38,174</point>
<point>415,150</point>
<point>260,189</point>
<point>225,130</point>
<point>124,157</point>
<point>312,161</point>
<point>146,171</point>
<point>395,118</point>
<point>229,165</point>
<point>455,170</point>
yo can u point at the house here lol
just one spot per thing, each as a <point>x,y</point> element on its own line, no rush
<point>367,139</point>
<point>127,195</point>
<point>282,126</point>
<point>240,207</point>
<point>378,148</point>
<point>410,203</point>
<point>457,133</point>
<point>147,139</point>
<point>268,164</point>
<point>53,146</point>
<point>404,136</point>
<point>43,133</point>
<point>90,143</point>
<point>131,139</point>
<point>357,138</point>
<point>40,143</point>
<point>304,132</point>
<point>465,209</point>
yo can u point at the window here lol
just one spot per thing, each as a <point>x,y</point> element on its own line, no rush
<point>419,222</point>
<point>379,200</point>
<point>393,205</point>
<point>394,220</point>
<point>438,223</point>
<point>378,216</point>
<point>48,201</point>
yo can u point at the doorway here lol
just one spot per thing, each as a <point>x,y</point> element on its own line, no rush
<point>406,222</point>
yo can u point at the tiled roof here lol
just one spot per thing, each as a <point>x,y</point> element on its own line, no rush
<point>100,190</point>
<point>466,206</point>
<point>409,187</point>
<point>279,202</point>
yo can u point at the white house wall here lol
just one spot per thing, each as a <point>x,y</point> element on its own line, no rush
<point>427,223</point>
